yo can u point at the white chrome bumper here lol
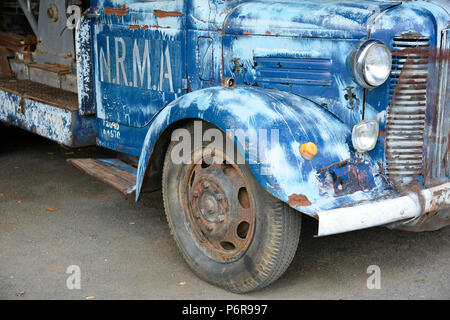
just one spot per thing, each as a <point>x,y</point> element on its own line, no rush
<point>383,212</point>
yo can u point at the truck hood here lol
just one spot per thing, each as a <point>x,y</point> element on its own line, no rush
<point>318,18</point>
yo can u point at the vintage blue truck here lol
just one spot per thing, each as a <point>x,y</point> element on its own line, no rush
<point>336,109</point>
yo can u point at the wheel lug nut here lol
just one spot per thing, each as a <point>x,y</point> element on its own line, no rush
<point>219,197</point>
<point>221,218</point>
<point>206,184</point>
<point>209,228</point>
<point>195,194</point>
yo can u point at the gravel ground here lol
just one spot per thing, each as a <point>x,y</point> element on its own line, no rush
<point>53,216</point>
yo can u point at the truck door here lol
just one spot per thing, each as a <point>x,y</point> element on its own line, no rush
<point>139,58</point>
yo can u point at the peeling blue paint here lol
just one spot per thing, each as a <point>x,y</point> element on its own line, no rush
<point>58,124</point>
<point>84,68</point>
<point>298,121</point>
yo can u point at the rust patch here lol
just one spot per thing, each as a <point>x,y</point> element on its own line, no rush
<point>432,221</point>
<point>4,64</point>
<point>268,33</point>
<point>119,12</point>
<point>166,14</point>
<point>136,27</point>
<point>246,32</point>
<point>341,163</point>
<point>160,27</point>
<point>298,200</point>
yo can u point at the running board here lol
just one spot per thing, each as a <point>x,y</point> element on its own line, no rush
<point>114,172</point>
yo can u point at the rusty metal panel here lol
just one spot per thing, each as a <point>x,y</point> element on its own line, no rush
<point>417,126</point>
<point>438,167</point>
<point>405,127</point>
<point>383,211</point>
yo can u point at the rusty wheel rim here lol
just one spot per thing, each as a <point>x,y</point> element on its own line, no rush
<point>219,206</point>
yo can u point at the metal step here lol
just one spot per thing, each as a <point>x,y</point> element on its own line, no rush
<point>47,111</point>
<point>113,172</point>
<point>39,92</point>
<point>61,77</point>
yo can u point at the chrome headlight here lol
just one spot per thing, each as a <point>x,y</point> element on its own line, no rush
<point>372,64</point>
<point>365,135</point>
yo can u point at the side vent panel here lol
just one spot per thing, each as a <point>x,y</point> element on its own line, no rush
<point>293,71</point>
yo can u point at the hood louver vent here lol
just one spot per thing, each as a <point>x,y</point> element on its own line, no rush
<point>293,71</point>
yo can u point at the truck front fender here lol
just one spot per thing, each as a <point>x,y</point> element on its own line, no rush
<point>284,173</point>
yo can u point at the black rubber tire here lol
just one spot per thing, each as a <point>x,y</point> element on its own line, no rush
<point>275,239</point>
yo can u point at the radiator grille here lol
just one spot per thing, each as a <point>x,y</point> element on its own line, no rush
<point>405,129</point>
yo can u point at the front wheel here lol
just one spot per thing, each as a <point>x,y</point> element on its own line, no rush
<point>231,232</point>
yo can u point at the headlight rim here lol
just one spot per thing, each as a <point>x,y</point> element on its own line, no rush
<point>359,62</point>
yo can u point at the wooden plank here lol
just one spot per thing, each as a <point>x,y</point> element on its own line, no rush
<point>113,172</point>
<point>5,54</point>
<point>16,42</point>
